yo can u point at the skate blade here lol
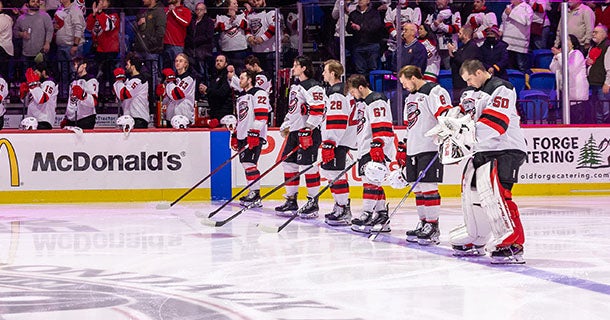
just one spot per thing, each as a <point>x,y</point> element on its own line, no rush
<point>428,242</point>
<point>252,205</point>
<point>308,217</point>
<point>163,206</point>
<point>412,239</point>
<point>377,228</point>
<point>337,223</point>
<point>467,254</point>
<point>285,214</point>
<point>361,229</point>
<point>508,260</point>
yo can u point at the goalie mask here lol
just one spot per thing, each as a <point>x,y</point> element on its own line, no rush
<point>397,179</point>
<point>229,121</point>
<point>126,123</point>
<point>29,123</point>
<point>375,172</point>
<point>453,150</point>
<point>180,122</point>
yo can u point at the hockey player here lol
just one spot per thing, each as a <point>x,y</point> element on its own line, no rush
<point>338,132</point>
<point>375,139</point>
<point>490,175</point>
<point>252,63</point>
<point>133,92</point>
<point>426,101</point>
<point>253,109</point>
<point>302,126</point>
<point>80,111</point>
<point>42,97</point>
<point>3,97</point>
<point>179,90</point>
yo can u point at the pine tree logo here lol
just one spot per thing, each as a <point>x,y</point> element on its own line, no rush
<point>590,155</point>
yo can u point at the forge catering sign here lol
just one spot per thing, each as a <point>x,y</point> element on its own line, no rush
<point>567,155</point>
<point>102,160</point>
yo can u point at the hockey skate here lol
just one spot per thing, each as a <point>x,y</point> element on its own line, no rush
<point>253,199</point>
<point>378,224</point>
<point>512,254</point>
<point>359,224</point>
<point>289,208</point>
<point>370,221</point>
<point>341,215</point>
<point>468,250</point>
<point>310,209</point>
<point>412,234</point>
<point>429,234</point>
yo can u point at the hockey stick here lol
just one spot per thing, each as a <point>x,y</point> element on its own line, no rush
<point>164,206</point>
<point>330,183</point>
<point>212,223</point>
<point>374,234</point>
<point>253,182</point>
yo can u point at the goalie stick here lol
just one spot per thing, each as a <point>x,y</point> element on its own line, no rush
<point>212,223</point>
<point>376,233</point>
<point>163,206</point>
<point>330,183</point>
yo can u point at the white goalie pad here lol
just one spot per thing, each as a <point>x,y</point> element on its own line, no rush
<point>476,228</point>
<point>492,201</point>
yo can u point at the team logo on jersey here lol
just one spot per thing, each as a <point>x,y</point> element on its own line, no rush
<point>259,82</point>
<point>293,101</point>
<point>243,110</point>
<point>232,32</point>
<point>412,114</point>
<point>361,121</point>
<point>255,25</point>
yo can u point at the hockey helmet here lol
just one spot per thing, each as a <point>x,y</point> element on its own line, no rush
<point>229,121</point>
<point>375,172</point>
<point>180,122</point>
<point>397,179</point>
<point>29,123</point>
<point>126,123</point>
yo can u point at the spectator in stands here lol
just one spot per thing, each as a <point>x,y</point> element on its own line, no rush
<point>494,53</point>
<point>598,63</point>
<point>515,28</point>
<point>69,24</point>
<point>6,40</point>
<point>480,20</point>
<point>35,27</point>
<point>220,95</point>
<point>428,39</point>
<point>151,23</point>
<point>178,19</point>
<point>446,24</point>
<point>261,33</point>
<point>232,26</point>
<point>581,21</point>
<point>413,52</point>
<point>578,91</point>
<point>199,43</point>
<point>366,25</point>
<point>468,51</point>
<point>3,97</point>
<point>348,7</point>
<point>190,4</point>
<point>104,28</point>
<point>602,15</point>
<point>540,29</point>
<point>407,15</point>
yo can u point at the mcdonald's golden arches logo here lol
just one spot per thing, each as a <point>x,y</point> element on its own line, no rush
<point>12,161</point>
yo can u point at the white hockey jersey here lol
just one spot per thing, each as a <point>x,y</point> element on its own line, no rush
<point>262,24</point>
<point>133,94</point>
<point>375,122</point>
<point>42,101</point>
<point>77,108</point>
<point>253,109</point>
<point>341,117</point>
<point>497,121</point>
<point>261,81</point>
<point>420,112</point>
<point>407,14</point>
<point>447,30</point>
<point>3,96</point>
<point>180,97</point>
<point>305,106</point>
<point>232,32</point>
<point>480,21</point>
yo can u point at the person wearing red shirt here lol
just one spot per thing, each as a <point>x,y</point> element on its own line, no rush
<point>178,19</point>
<point>104,28</point>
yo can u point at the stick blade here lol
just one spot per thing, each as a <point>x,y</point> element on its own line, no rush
<point>209,222</point>
<point>268,229</point>
<point>163,206</point>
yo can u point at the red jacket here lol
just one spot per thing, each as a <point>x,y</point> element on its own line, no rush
<point>104,29</point>
<point>177,21</point>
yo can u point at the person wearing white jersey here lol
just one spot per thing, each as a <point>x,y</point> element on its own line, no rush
<point>375,139</point>
<point>179,89</point>
<point>232,27</point>
<point>80,111</point>
<point>252,64</point>
<point>42,97</point>
<point>446,25</point>
<point>426,101</point>
<point>133,92</point>
<point>261,33</point>
<point>3,97</point>
<point>253,109</point>
<point>302,128</point>
<point>338,132</point>
<point>479,20</point>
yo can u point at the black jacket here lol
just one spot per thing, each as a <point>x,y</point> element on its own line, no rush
<point>495,54</point>
<point>220,96</point>
<point>468,51</point>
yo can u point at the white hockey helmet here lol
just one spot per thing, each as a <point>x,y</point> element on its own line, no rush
<point>397,179</point>
<point>180,122</point>
<point>453,150</point>
<point>375,172</point>
<point>29,123</point>
<point>126,123</point>
<point>229,121</point>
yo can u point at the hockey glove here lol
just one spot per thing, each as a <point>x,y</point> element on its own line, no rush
<point>119,74</point>
<point>160,90</point>
<point>253,138</point>
<point>328,151</point>
<point>23,90</point>
<point>32,77</point>
<point>234,144</point>
<point>213,123</point>
<point>401,154</point>
<point>78,92</point>
<point>169,74</point>
<point>377,151</point>
<point>63,123</point>
<point>305,139</point>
